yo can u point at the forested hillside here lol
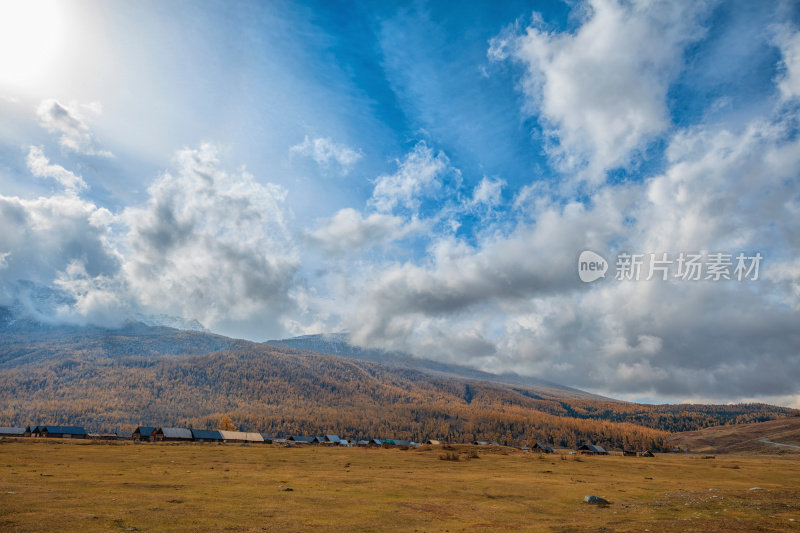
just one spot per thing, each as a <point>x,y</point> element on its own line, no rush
<point>117,379</point>
<point>284,392</point>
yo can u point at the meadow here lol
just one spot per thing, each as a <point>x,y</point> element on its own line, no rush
<point>62,485</point>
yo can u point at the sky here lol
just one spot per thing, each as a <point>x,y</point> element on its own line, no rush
<point>424,176</point>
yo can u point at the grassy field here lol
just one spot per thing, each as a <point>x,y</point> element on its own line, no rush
<point>68,486</point>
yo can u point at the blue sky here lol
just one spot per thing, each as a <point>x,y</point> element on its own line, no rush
<point>423,175</point>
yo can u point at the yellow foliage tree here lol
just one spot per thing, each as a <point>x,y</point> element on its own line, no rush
<point>226,424</point>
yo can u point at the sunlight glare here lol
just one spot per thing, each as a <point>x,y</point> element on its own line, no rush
<point>30,35</point>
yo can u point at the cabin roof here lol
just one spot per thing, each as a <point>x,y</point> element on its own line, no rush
<point>177,433</point>
<point>593,448</point>
<point>206,434</point>
<point>69,430</point>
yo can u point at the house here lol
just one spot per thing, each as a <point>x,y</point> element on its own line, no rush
<point>592,449</point>
<point>240,436</point>
<point>480,443</point>
<point>12,432</point>
<point>363,443</point>
<point>433,441</point>
<point>319,440</point>
<point>375,443</point>
<point>233,436</point>
<point>32,431</point>
<point>398,442</point>
<point>300,439</point>
<point>542,448</point>
<point>62,432</point>
<point>144,433</point>
<point>267,439</point>
<point>647,453</point>
<point>333,439</point>
<point>175,434</point>
<point>206,435</point>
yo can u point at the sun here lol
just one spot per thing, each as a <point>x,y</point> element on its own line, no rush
<point>31,33</point>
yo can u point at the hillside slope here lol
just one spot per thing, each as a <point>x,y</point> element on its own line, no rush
<point>338,344</point>
<point>775,436</point>
<point>281,391</point>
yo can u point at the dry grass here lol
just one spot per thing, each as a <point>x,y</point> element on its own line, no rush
<point>69,486</point>
<point>744,438</point>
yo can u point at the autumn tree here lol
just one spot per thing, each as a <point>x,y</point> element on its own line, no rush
<point>226,424</point>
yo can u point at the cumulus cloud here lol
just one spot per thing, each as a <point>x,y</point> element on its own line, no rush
<point>600,91</point>
<point>208,245</point>
<point>460,278</point>
<point>789,43</point>
<point>98,299</point>
<point>418,174</point>
<point>40,167</point>
<point>42,240</point>
<point>348,231</point>
<point>324,151</point>
<point>69,121</point>
<point>211,245</point>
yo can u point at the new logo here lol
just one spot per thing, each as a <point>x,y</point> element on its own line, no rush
<point>591,266</point>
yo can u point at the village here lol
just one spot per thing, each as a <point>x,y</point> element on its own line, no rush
<point>220,436</point>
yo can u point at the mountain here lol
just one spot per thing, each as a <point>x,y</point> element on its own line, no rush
<point>338,344</point>
<point>138,374</point>
<point>170,321</point>
<point>25,341</point>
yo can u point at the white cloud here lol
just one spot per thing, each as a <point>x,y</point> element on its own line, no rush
<point>208,244</point>
<point>42,240</point>
<point>460,278</point>
<point>600,91</point>
<point>40,167</point>
<point>211,245</point>
<point>789,43</point>
<point>324,151</point>
<point>70,122</point>
<point>487,193</point>
<point>349,231</point>
<point>96,299</point>
<point>418,175</point>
